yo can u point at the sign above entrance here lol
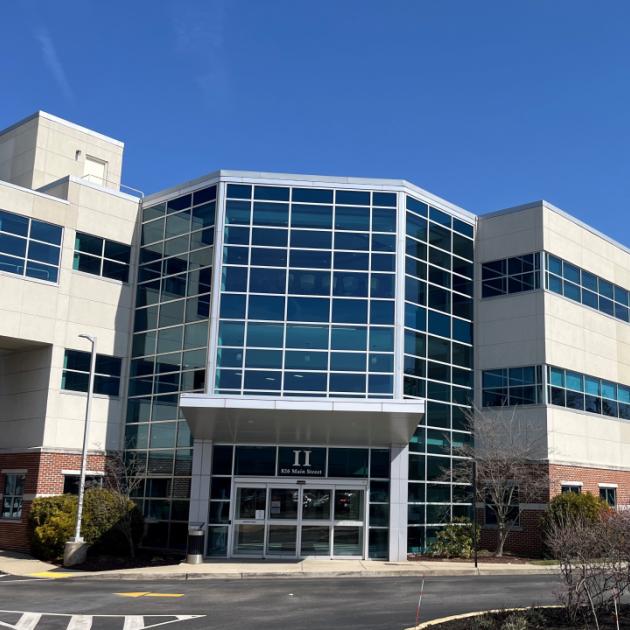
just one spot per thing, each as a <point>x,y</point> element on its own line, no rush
<point>301,462</point>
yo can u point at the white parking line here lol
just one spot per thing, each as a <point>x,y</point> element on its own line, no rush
<point>80,622</point>
<point>28,621</point>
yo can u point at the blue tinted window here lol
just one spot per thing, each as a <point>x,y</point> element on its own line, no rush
<point>13,223</point>
<point>308,309</point>
<point>46,232</point>
<point>347,240</point>
<point>463,228</point>
<point>13,245</point>
<point>315,337</point>
<point>41,271</point>
<point>605,288</point>
<point>231,333</point>
<point>265,335</point>
<point>347,382</point>
<point>305,360</point>
<point>555,264</point>
<point>384,199</point>
<point>381,312</point>
<point>273,193</point>
<point>263,359</point>
<point>350,284</point>
<point>179,203</point>
<point>439,324</point>
<point>416,227</point>
<point>381,362</point>
<point>349,338</point>
<point>352,218</point>
<point>305,381</point>
<point>310,259</point>
<point>234,279</point>
<point>347,361</point>
<point>311,240</point>
<point>462,331</point>
<point>382,285</point>
<point>269,257</point>
<point>274,214</point>
<point>313,195</point>
<point>415,317</point>
<point>309,282</point>
<point>277,238</point>
<point>267,280</point>
<point>229,379</point>
<point>229,357</point>
<point>237,212</point>
<point>351,260</point>
<point>380,384</point>
<point>353,197</point>
<point>237,235</point>
<point>417,206</point>
<point>383,220</point>
<point>238,191</point>
<point>381,339</point>
<point>264,379</point>
<point>266,307</point>
<point>589,281</point>
<point>235,255</point>
<point>572,273</point>
<point>205,194</point>
<point>351,311</point>
<point>232,306</point>
<point>439,217</point>
<point>384,242</point>
<point>383,262</point>
<point>311,216</point>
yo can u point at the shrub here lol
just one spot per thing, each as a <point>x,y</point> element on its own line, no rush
<point>111,523</point>
<point>52,521</point>
<point>584,507</point>
<point>454,541</point>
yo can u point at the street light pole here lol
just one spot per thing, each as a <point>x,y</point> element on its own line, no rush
<point>86,430</point>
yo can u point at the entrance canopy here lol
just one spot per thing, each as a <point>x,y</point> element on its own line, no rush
<point>330,421</point>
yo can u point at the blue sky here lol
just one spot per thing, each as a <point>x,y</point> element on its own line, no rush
<point>488,104</point>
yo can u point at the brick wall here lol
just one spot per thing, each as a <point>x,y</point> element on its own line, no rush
<point>527,539</point>
<point>43,476</point>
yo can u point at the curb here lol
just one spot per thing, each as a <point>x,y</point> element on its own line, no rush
<point>436,622</point>
<point>306,574</point>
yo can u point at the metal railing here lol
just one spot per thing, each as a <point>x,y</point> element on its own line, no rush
<point>94,179</point>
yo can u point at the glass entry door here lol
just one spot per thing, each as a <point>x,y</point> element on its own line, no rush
<point>274,520</point>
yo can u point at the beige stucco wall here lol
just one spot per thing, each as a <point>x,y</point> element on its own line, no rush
<point>541,327</point>
<point>44,148</point>
<point>55,315</point>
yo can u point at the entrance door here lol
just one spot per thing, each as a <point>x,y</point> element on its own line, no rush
<point>323,520</point>
<point>249,520</point>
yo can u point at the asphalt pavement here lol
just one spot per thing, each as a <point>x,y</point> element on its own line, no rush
<point>263,604</point>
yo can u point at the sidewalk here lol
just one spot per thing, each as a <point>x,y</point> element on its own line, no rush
<point>23,565</point>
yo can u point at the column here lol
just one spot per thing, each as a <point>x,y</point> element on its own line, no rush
<point>200,482</point>
<point>398,489</point>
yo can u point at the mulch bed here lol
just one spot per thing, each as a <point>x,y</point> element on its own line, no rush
<point>542,619</point>
<point>142,559</point>
<point>506,559</point>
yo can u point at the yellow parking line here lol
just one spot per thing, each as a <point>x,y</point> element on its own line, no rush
<point>148,594</point>
<point>51,575</point>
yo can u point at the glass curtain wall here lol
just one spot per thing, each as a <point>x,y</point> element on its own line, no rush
<point>438,362</point>
<point>169,356</point>
<point>307,292</point>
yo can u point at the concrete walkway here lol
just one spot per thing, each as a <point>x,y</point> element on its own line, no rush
<point>23,565</point>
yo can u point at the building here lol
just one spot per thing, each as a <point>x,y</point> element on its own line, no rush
<point>67,264</point>
<point>290,358</point>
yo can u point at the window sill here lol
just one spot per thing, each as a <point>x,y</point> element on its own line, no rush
<point>15,521</point>
<point>72,392</point>
<point>87,274</point>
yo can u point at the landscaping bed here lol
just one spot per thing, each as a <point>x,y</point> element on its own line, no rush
<point>535,619</point>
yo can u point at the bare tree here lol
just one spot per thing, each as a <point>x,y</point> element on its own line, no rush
<point>125,477</point>
<point>506,455</point>
<point>594,558</point>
